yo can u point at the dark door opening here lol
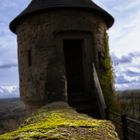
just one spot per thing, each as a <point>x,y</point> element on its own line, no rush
<point>74,65</point>
<point>78,97</point>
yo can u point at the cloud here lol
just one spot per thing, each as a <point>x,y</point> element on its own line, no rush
<point>132,73</point>
<point>127,70</point>
<point>127,86</point>
<point>8,44</point>
<point>128,58</point>
<point>127,5</point>
<point>124,44</point>
<point>124,41</point>
<point>9,76</point>
<point>7,66</point>
<point>123,59</point>
<point>125,81</point>
<point>121,79</point>
<point>124,35</point>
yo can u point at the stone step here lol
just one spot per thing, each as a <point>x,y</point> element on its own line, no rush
<point>84,103</point>
<point>92,113</point>
<point>87,109</point>
<point>80,94</point>
<point>80,100</point>
<point>83,107</point>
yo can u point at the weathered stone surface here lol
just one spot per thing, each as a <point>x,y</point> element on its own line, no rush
<point>58,121</point>
<point>40,38</point>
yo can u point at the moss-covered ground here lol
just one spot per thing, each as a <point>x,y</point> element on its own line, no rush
<point>59,122</point>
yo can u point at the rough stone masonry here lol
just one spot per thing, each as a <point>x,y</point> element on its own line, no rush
<point>58,43</point>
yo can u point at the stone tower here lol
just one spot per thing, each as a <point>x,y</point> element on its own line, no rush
<point>60,43</point>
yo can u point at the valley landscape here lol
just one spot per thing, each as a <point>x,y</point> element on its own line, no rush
<point>12,112</point>
<point>130,103</point>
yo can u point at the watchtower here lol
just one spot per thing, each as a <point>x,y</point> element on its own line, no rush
<point>60,43</point>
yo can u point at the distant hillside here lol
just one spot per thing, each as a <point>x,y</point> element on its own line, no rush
<point>12,111</point>
<point>130,102</point>
<point>11,91</point>
<point>128,92</point>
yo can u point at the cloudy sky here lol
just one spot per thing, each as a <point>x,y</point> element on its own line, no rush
<point>124,41</point>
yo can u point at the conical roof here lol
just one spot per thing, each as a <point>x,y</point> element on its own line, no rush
<point>39,5</point>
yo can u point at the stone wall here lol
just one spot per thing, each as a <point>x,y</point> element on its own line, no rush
<point>57,121</point>
<point>40,52</point>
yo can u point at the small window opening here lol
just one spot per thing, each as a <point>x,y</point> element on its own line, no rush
<point>29,58</point>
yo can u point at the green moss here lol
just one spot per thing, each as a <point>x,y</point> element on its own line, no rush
<point>61,124</point>
<point>107,79</point>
